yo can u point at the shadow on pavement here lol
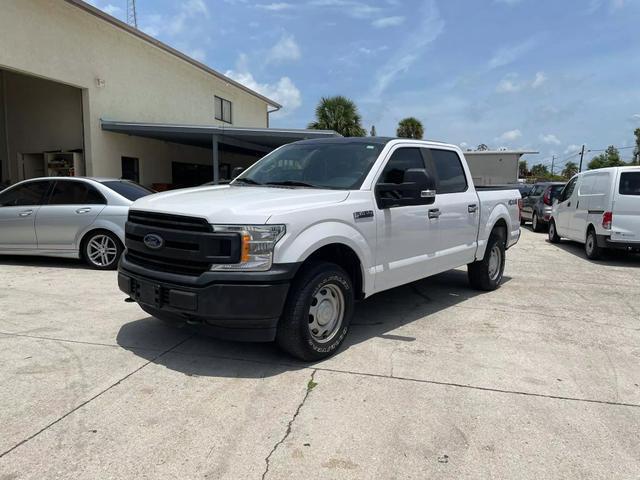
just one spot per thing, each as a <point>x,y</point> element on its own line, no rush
<point>48,262</point>
<point>377,316</point>
<point>614,258</point>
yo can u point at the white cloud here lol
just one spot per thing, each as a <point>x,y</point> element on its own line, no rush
<point>509,84</point>
<point>198,54</point>
<point>283,91</point>
<point>388,22</point>
<point>635,117</point>
<point>353,8</point>
<point>286,49</point>
<point>614,5</point>
<point>508,2</point>
<point>539,80</point>
<point>509,136</point>
<point>550,139</point>
<point>573,148</point>
<point>112,10</point>
<point>410,50</point>
<point>509,54</point>
<point>174,25</point>
<point>275,7</point>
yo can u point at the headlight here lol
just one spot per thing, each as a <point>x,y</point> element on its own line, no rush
<point>256,247</point>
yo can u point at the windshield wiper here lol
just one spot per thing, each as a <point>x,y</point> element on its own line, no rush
<point>248,181</point>
<point>292,183</point>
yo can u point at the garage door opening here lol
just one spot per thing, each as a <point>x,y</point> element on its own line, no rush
<point>41,131</point>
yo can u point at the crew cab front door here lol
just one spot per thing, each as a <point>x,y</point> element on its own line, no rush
<point>407,235</point>
<point>18,208</point>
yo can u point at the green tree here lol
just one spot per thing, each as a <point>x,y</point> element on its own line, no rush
<point>523,171</point>
<point>410,127</point>
<point>373,131</point>
<point>636,151</point>
<point>340,115</point>
<point>610,158</point>
<point>570,169</point>
<point>539,170</point>
<point>482,147</point>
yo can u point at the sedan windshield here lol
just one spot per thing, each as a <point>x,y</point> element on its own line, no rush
<point>129,190</point>
<point>341,166</point>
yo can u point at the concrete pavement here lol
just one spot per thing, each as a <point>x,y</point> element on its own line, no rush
<point>539,379</point>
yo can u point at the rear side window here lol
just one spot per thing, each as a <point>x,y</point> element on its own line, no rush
<point>75,193</point>
<point>448,167</point>
<point>401,160</point>
<point>31,193</point>
<point>129,190</point>
<point>630,183</point>
<point>555,191</point>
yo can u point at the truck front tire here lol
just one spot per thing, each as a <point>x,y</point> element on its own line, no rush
<point>316,317</point>
<point>486,274</point>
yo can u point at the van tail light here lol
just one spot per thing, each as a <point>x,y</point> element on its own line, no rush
<point>607,218</point>
<point>546,198</point>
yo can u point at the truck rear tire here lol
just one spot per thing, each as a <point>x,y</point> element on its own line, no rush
<point>318,311</point>
<point>486,274</point>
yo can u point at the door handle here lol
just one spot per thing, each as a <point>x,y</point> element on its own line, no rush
<point>473,208</point>
<point>26,213</point>
<point>434,213</point>
<point>83,210</point>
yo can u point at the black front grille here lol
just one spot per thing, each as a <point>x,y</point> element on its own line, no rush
<point>173,222</point>
<point>168,265</point>
<point>190,246</point>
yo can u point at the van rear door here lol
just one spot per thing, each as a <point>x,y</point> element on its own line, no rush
<point>626,207</point>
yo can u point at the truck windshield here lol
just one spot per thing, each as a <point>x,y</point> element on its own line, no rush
<point>341,166</point>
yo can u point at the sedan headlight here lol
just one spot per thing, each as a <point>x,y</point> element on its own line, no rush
<point>256,247</point>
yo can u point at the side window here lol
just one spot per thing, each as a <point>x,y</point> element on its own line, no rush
<point>29,194</point>
<point>223,109</point>
<point>448,169</point>
<point>401,160</point>
<point>629,183</point>
<point>568,190</point>
<point>69,192</point>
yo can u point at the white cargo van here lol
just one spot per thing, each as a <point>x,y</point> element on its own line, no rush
<point>600,208</point>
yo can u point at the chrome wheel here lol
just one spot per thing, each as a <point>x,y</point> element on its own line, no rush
<point>495,262</point>
<point>326,313</point>
<point>102,250</point>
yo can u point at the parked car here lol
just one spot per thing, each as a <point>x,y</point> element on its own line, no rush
<point>600,208</point>
<point>537,206</point>
<point>73,217</point>
<point>284,250</point>
<point>525,189</point>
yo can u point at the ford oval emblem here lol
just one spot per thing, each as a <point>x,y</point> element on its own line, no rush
<point>153,241</point>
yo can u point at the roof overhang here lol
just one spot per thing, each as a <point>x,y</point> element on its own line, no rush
<point>258,139</point>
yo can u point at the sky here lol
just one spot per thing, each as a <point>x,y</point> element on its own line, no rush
<point>544,75</point>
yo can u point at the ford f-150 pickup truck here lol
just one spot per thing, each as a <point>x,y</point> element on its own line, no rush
<point>283,252</point>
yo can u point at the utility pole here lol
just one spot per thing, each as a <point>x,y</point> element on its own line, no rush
<point>581,157</point>
<point>553,161</point>
<point>132,17</point>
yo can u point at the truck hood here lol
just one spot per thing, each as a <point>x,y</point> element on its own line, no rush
<point>227,204</point>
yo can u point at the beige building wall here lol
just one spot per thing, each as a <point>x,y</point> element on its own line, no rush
<point>122,77</point>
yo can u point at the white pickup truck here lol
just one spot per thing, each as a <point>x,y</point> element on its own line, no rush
<point>284,251</point>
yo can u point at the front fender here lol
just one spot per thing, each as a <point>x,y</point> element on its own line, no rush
<point>298,248</point>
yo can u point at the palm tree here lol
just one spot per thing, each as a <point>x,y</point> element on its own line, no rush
<point>410,127</point>
<point>482,147</point>
<point>570,169</point>
<point>340,115</point>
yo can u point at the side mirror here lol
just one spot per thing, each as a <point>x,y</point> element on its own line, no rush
<point>418,188</point>
<point>236,171</point>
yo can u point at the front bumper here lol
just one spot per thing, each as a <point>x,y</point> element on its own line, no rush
<point>232,305</point>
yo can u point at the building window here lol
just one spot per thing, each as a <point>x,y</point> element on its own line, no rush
<point>130,169</point>
<point>223,109</point>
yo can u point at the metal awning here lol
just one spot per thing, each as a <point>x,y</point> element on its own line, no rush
<point>257,139</point>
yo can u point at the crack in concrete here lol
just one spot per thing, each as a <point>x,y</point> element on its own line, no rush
<point>289,426</point>
<point>86,402</point>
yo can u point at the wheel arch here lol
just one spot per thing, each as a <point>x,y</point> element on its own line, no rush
<point>94,229</point>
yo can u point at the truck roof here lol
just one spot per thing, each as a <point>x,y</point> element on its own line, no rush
<point>367,140</point>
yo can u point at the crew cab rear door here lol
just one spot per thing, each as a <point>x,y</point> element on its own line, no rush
<point>459,209</point>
